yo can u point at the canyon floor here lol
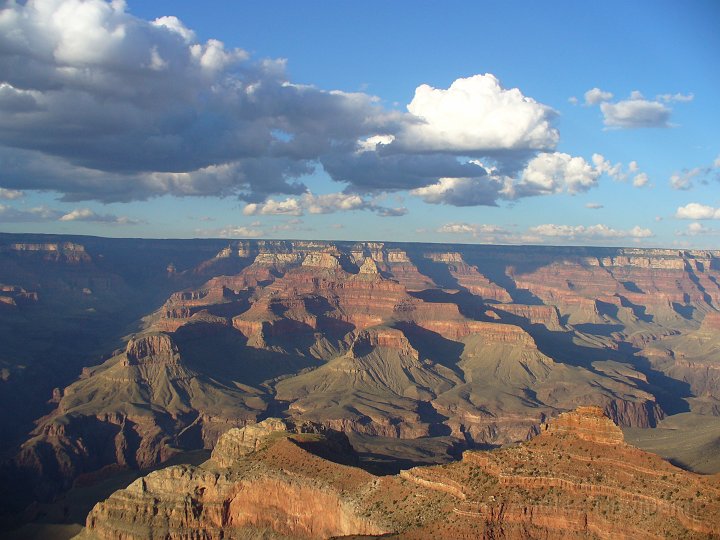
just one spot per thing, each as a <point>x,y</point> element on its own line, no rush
<point>121,356</point>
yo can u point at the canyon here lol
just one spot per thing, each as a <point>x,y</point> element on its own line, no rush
<point>126,354</point>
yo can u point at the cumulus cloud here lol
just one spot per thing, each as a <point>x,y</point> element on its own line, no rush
<point>636,112</point>
<point>641,180</point>
<point>697,229</point>
<point>462,191</point>
<point>595,96</point>
<point>328,203</point>
<point>555,173</point>
<point>591,232</point>
<point>476,115</point>
<point>10,194</point>
<point>619,173</point>
<point>289,206</point>
<point>697,211</point>
<point>547,173</point>
<point>117,100</point>
<point>98,104</point>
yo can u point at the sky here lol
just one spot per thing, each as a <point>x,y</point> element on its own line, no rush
<point>505,122</point>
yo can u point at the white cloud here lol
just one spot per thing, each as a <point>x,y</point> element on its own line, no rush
<point>591,232</point>
<point>476,115</point>
<point>572,100</point>
<point>698,229</point>
<point>10,194</point>
<point>684,180</point>
<point>174,24</point>
<point>614,171</point>
<point>9,214</point>
<point>370,144</point>
<point>641,180</point>
<point>86,214</point>
<point>328,203</point>
<point>127,109</point>
<point>288,207</point>
<point>595,96</point>
<point>555,173</point>
<point>619,173</point>
<point>635,112</point>
<point>594,206</point>
<point>333,202</point>
<point>546,174</point>
<point>541,234</point>
<point>462,191</point>
<point>474,229</point>
<point>697,211</point>
<point>237,232</point>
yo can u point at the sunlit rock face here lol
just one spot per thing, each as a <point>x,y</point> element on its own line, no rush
<point>576,479</point>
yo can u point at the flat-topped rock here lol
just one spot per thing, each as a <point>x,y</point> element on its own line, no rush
<point>321,260</point>
<point>239,442</point>
<point>586,423</point>
<point>152,348</point>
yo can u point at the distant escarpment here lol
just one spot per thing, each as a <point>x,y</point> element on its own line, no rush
<point>577,479</point>
<point>474,345</point>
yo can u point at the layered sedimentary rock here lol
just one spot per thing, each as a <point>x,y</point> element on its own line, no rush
<point>479,344</point>
<point>468,277</point>
<point>577,479</point>
<point>135,410</point>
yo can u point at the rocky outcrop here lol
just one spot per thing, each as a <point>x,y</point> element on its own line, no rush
<point>239,442</point>
<point>562,484</point>
<point>234,494</point>
<point>586,423</point>
<point>67,252</point>
<point>158,348</point>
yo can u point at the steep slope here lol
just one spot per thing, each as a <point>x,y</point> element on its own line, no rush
<point>135,410</point>
<point>577,479</point>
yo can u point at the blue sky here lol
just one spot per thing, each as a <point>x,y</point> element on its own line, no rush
<point>500,122</point>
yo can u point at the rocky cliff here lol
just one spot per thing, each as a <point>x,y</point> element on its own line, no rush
<point>474,345</point>
<point>577,479</point>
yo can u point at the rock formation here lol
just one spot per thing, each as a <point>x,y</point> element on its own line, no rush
<point>577,479</point>
<point>472,345</point>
